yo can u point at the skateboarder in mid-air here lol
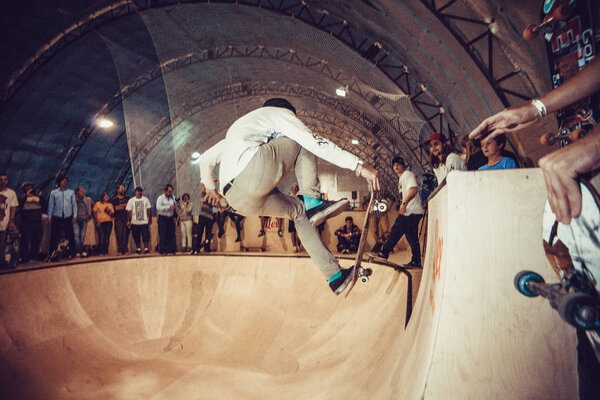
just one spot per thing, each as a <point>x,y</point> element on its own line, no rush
<point>259,150</point>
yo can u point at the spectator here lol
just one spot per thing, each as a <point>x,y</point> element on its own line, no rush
<point>348,237</point>
<point>165,208</point>
<point>492,149</point>
<point>103,214</point>
<point>237,219</point>
<point>380,242</point>
<point>472,156</point>
<point>441,157</point>
<point>84,214</point>
<point>292,227</point>
<point>119,202</point>
<point>62,213</point>
<point>184,217</point>
<point>204,226</point>
<point>410,212</point>
<point>31,222</point>
<point>139,218</point>
<point>264,222</point>
<point>8,210</point>
<point>429,184</point>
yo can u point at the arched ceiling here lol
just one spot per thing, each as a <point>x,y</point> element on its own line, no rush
<point>174,75</point>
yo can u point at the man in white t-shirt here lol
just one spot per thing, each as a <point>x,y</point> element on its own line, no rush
<point>139,214</point>
<point>408,219</point>
<point>259,150</point>
<point>8,209</point>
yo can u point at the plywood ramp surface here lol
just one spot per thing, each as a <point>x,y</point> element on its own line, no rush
<point>230,327</point>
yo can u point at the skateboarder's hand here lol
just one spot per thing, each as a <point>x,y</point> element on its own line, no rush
<point>212,197</point>
<point>561,170</point>
<point>504,121</point>
<point>371,175</point>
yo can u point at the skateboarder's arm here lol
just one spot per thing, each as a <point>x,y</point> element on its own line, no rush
<point>561,169</point>
<point>207,163</point>
<point>289,125</point>
<point>584,84</point>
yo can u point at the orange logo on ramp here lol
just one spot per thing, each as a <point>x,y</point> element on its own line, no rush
<point>438,246</point>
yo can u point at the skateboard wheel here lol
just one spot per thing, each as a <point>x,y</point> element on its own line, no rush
<point>364,279</point>
<point>522,280</point>
<point>547,139</point>
<point>530,32</point>
<point>580,310</point>
<point>576,134</point>
<point>368,272</point>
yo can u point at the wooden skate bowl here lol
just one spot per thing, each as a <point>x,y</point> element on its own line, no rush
<point>227,327</point>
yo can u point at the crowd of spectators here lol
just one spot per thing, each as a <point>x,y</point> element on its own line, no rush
<point>71,211</point>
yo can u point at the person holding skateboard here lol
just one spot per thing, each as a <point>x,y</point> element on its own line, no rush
<point>561,170</point>
<point>410,213</point>
<point>259,150</point>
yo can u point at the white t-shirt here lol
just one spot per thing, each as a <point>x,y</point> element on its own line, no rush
<point>139,210</point>
<point>453,162</point>
<point>8,199</point>
<point>249,132</point>
<point>406,182</point>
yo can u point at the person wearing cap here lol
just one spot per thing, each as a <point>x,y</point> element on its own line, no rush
<point>441,157</point>
<point>62,214</point>
<point>139,218</point>
<point>410,213</point>
<point>8,210</point>
<point>84,215</point>
<point>259,150</point>
<point>31,222</point>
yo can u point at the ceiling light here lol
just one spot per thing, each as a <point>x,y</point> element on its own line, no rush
<point>354,141</point>
<point>104,123</point>
<point>195,155</point>
<point>341,91</point>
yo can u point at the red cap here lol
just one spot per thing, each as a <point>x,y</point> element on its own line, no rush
<point>436,136</point>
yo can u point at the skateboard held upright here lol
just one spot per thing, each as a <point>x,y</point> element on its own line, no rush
<point>358,271</point>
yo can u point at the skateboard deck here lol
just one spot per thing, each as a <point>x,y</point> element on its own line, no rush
<point>574,253</point>
<point>357,270</point>
<point>571,29</point>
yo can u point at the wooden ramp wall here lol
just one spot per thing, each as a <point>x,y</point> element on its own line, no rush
<point>491,342</point>
<point>227,327</point>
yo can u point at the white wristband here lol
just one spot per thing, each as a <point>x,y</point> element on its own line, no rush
<point>540,107</point>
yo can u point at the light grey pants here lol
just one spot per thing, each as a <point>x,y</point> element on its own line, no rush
<point>254,192</point>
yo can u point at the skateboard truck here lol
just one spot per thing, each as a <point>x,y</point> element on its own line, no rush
<point>575,298</point>
<point>560,13</point>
